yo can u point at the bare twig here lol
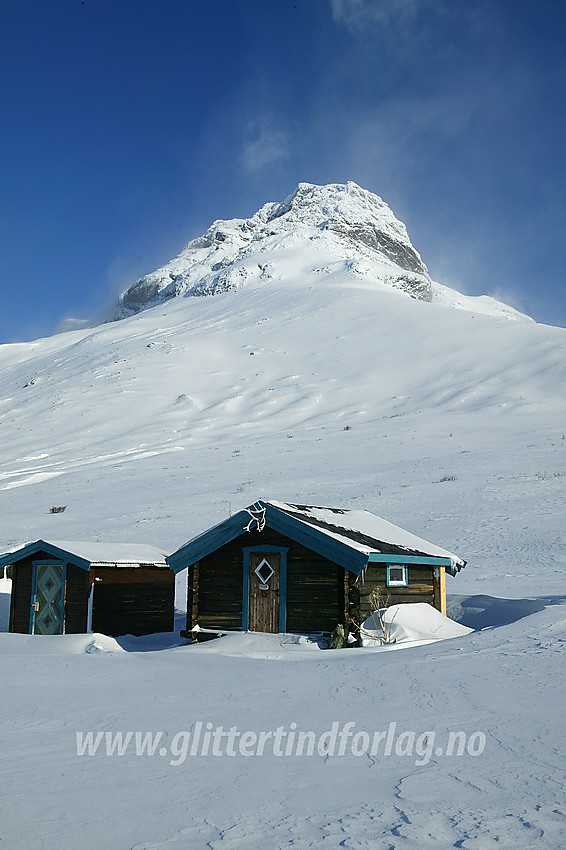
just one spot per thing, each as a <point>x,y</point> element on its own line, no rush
<point>380,605</point>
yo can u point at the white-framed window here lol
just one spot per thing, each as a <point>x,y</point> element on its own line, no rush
<point>397,576</point>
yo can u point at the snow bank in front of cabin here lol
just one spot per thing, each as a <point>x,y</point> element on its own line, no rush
<point>259,645</point>
<point>411,624</point>
<point>80,644</point>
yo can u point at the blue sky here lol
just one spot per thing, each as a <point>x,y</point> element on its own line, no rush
<point>129,125</point>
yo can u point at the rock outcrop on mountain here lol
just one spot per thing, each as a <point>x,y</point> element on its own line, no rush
<point>333,224</point>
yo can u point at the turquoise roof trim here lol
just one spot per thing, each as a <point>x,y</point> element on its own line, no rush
<point>339,552</point>
<point>384,558</point>
<point>48,548</point>
<point>452,568</point>
<point>209,541</point>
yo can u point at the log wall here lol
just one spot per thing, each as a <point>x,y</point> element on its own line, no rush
<point>315,586</point>
<point>135,601</point>
<point>76,600</point>
<point>421,588</point>
<point>20,605</point>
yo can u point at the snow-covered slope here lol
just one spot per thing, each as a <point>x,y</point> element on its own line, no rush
<point>336,390</point>
<point>317,233</point>
<point>148,429</point>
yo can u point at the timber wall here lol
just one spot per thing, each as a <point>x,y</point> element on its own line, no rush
<point>20,606</point>
<point>76,600</point>
<point>421,588</point>
<point>315,586</point>
<point>133,601</point>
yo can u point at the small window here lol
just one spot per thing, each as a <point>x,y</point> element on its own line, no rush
<point>397,576</point>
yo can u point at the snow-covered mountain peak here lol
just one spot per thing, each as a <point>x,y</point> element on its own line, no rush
<point>348,202</point>
<point>340,232</point>
<point>316,228</point>
<point>354,213</point>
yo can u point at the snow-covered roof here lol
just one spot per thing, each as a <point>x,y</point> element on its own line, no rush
<point>365,531</point>
<point>96,554</point>
<point>349,538</point>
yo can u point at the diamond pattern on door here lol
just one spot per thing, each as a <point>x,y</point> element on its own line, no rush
<point>49,599</point>
<point>264,571</point>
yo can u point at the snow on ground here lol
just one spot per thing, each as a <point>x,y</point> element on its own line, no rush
<point>449,424</point>
<point>501,683</point>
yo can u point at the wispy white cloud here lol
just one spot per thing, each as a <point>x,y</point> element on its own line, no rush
<point>358,15</point>
<point>264,144</point>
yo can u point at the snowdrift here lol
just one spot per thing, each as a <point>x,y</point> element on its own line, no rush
<point>410,625</point>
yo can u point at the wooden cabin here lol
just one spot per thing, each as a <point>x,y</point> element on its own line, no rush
<point>72,588</point>
<point>278,567</point>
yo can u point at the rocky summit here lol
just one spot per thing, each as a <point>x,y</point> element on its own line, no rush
<point>317,230</point>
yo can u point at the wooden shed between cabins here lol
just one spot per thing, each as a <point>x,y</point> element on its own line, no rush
<point>73,588</point>
<point>278,567</point>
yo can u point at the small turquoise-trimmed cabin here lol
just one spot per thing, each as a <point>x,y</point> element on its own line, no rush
<point>72,588</point>
<point>282,567</point>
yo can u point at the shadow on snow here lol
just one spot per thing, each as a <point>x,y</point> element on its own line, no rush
<point>480,612</point>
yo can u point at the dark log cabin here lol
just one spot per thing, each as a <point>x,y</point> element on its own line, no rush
<point>73,588</point>
<point>278,567</point>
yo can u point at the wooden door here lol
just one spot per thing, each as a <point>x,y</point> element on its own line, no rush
<point>49,599</point>
<point>265,570</point>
